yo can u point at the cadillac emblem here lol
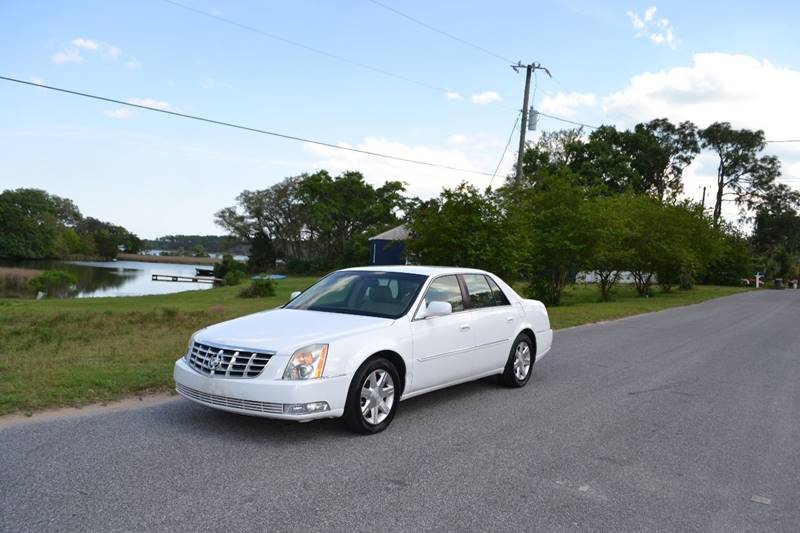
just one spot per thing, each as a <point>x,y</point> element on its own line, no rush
<point>215,361</point>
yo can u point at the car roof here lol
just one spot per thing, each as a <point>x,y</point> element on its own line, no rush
<point>418,269</point>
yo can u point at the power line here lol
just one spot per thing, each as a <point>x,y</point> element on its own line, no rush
<point>343,59</point>
<point>306,47</point>
<point>442,32</point>
<point>568,121</point>
<point>503,155</point>
<point>242,127</point>
<point>784,141</point>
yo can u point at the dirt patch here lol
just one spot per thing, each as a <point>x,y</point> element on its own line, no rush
<point>125,404</point>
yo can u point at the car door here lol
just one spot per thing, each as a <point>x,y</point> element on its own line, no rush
<point>442,345</point>
<point>494,322</point>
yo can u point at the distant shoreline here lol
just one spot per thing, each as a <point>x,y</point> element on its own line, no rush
<point>181,260</point>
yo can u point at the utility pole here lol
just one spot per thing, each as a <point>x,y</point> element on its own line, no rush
<point>704,198</point>
<point>524,125</point>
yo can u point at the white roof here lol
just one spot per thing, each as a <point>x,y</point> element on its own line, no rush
<point>398,233</point>
<point>416,269</point>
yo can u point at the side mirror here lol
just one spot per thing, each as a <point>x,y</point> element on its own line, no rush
<point>294,295</point>
<point>438,309</point>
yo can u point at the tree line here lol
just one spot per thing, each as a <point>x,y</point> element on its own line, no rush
<point>38,225</point>
<point>606,202</point>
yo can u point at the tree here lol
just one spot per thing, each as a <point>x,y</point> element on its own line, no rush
<point>29,223</point>
<point>609,232</point>
<point>741,172</point>
<point>342,210</point>
<point>553,150</point>
<point>551,214</point>
<point>659,153</point>
<point>776,231</point>
<point>315,219</point>
<point>604,165</point>
<point>467,228</point>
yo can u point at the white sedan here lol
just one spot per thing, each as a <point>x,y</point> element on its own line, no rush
<point>360,340</point>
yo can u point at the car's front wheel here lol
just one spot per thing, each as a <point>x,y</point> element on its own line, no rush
<point>519,366</point>
<point>373,397</point>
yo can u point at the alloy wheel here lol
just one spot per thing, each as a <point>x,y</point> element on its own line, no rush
<point>522,360</point>
<point>377,396</point>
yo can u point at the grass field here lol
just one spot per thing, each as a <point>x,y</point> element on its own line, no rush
<point>73,352</point>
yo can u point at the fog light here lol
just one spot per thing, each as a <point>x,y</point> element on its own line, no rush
<point>305,408</point>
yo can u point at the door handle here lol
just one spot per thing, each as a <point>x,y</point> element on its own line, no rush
<point>464,327</point>
<point>510,319</point>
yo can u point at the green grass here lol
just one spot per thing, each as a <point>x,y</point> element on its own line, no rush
<point>73,352</point>
<point>582,305</point>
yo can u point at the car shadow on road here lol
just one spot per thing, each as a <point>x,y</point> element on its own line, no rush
<point>208,422</point>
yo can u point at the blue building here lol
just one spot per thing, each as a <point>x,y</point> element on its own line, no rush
<point>388,248</point>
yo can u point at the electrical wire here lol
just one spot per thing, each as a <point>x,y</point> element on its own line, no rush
<point>576,123</point>
<point>442,32</point>
<point>505,150</point>
<point>343,59</point>
<point>241,127</point>
<point>306,47</point>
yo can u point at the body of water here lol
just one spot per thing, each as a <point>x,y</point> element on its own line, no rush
<point>119,278</point>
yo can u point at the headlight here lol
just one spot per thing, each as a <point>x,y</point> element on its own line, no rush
<point>307,362</point>
<point>189,347</point>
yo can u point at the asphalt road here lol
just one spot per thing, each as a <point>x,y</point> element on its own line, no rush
<point>668,421</point>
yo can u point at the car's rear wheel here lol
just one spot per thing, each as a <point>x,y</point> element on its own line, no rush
<point>373,397</point>
<point>519,366</point>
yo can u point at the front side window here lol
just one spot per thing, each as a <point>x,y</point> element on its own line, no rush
<point>480,294</point>
<point>445,289</point>
<point>381,294</point>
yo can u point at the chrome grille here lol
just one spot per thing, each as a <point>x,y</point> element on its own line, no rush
<point>225,401</point>
<point>227,362</point>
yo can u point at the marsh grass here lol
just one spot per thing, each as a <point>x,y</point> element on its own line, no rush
<point>14,281</point>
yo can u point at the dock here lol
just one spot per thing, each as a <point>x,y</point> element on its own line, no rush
<point>186,279</point>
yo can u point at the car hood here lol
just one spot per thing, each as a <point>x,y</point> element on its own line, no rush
<point>285,330</point>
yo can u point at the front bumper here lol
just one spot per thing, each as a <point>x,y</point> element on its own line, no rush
<point>261,396</point>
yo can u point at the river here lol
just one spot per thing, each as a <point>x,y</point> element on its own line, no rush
<point>118,278</point>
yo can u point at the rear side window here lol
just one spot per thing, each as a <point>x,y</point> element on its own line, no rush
<point>480,293</point>
<point>445,289</point>
<point>499,296</point>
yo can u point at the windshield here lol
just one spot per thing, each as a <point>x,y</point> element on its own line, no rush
<point>382,294</point>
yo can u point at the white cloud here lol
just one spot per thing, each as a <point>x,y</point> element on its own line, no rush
<point>37,80</point>
<point>566,104</point>
<point>485,98</point>
<point>658,31</point>
<point>121,113</point>
<point>84,43</point>
<point>745,91</point>
<point>72,54</point>
<point>68,55</point>
<point>421,180</point>
<point>150,102</point>
<point>458,138</point>
<point>133,63</point>
<point>452,95</point>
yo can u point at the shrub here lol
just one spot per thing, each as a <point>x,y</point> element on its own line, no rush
<point>259,288</point>
<point>52,282</point>
<point>231,271</point>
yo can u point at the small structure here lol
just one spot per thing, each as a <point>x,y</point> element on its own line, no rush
<point>388,248</point>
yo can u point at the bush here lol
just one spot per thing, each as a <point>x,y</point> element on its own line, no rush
<point>234,277</point>
<point>231,271</point>
<point>52,282</point>
<point>259,288</point>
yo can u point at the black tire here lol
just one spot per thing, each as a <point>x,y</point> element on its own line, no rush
<point>354,418</point>
<point>509,377</point>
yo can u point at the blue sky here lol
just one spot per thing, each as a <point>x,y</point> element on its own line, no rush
<point>613,62</point>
